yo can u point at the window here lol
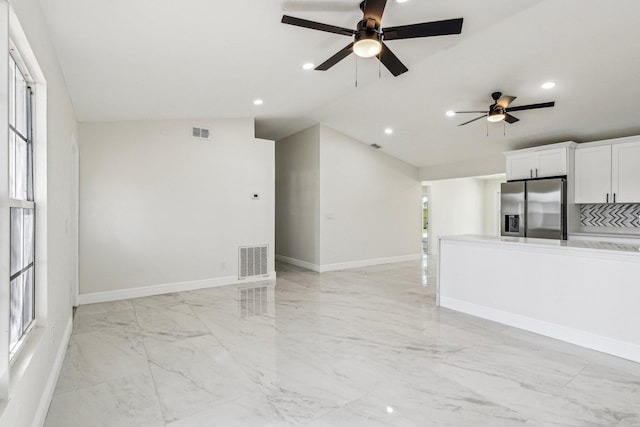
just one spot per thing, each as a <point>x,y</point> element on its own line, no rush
<point>22,207</point>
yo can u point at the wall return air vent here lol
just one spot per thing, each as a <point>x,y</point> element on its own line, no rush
<point>252,261</point>
<point>201,133</point>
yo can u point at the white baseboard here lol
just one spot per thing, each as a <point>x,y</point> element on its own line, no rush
<point>588,340</point>
<point>369,262</point>
<point>347,265</point>
<point>50,386</point>
<point>146,291</point>
<point>299,263</point>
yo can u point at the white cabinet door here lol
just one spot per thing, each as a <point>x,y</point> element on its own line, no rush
<point>593,175</point>
<point>520,166</point>
<point>551,163</point>
<point>625,180</point>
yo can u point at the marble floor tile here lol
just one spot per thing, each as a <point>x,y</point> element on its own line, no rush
<point>361,347</point>
<point>169,322</point>
<point>125,402</point>
<point>193,374</point>
<point>100,356</point>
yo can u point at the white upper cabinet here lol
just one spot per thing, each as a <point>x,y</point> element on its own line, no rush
<point>609,172</point>
<point>625,178</point>
<point>552,162</point>
<point>536,163</point>
<point>519,166</point>
<point>593,174</point>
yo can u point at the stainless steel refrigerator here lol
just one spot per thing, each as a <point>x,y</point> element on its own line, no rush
<point>535,208</point>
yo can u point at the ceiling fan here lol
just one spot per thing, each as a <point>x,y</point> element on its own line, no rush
<point>369,37</point>
<point>500,109</point>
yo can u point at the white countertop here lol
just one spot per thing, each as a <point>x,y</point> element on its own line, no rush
<point>550,243</point>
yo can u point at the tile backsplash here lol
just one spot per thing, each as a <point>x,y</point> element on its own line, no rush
<point>621,216</point>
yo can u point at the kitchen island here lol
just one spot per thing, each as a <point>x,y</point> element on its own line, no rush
<point>586,293</point>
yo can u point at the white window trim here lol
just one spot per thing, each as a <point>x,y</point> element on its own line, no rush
<point>12,36</point>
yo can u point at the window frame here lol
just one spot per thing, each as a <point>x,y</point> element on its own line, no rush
<point>16,61</point>
<point>12,372</point>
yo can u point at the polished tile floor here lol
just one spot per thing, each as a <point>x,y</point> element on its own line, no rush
<point>363,347</point>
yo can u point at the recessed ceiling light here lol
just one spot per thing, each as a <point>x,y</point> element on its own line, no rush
<point>388,131</point>
<point>308,66</point>
<point>548,85</point>
<point>258,102</point>
<point>451,113</point>
<point>389,410</point>
<point>401,1</point>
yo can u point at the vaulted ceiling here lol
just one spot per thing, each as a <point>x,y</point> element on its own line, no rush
<point>161,59</point>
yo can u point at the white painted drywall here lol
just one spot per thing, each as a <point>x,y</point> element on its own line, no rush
<point>298,196</point>
<point>456,207</point>
<point>158,206</point>
<point>370,203</point>
<point>491,207</point>
<point>468,169</point>
<point>34,373</point>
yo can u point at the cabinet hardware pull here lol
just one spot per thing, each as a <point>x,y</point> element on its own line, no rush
<point>614,197</point>
<point>607,197</point>
<point>530,173</point>
<point>536,172</point>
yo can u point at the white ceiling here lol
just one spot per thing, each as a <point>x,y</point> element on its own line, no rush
<point>167,59</point>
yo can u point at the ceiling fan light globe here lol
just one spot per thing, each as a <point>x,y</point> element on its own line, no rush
<point>367,48</point>
<point>496,116</point>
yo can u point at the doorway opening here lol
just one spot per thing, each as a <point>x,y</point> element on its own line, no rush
<point>425,223</point>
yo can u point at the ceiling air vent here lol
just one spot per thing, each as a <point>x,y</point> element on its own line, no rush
<point>376,146</point>
<point>201,133</point>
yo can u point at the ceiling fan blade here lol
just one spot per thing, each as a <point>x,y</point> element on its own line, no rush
<point>505,101</point>
<point>510,119</point>
<point>532,106</point>
<point>473,120</point>
<point>318,6</point>
<point>465,112</point>
<point>336,58</point>
<point>426,29</point>
<point>391,61</point>
<point>373,9</point>
<point>316,26</point>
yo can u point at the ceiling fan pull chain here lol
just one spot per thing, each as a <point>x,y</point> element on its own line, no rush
<point>504,128</point>
<point>356,71</point>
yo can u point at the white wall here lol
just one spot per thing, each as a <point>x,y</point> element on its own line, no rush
<point>298,196</point>
<point>370,203</point>
<point>34,373</point>
<point>455,207</point>
<point>491,206</point>
<point>477,167</point>
<point>158,207</point>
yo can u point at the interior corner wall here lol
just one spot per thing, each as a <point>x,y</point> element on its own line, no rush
<point>456,206</point>
<point>298,197</point>
<point>35,371</point>
<point>370,204</point>
<point>161,208</point>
